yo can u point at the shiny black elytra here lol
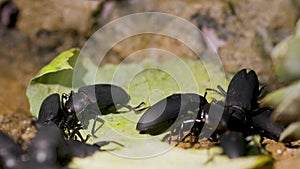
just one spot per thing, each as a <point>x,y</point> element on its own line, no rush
<point>159,117</point>
<point>85,103</point>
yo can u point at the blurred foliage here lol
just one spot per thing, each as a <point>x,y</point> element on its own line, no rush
<point>286,57</point>
<point>285,101</point>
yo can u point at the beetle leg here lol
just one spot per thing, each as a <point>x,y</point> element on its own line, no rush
<point>140,105</point>
<point>198,125</point>
<point>186,136</point>
<point>136,109</point>
<point>175,131</point>
<point>76,132</point>
<point>220,90</point>
<point>166,137</point>
<point>172,133</point>
<point>181,130</point>
<point>187,119</point>
<point>139,108</point>
<point>94,125</point>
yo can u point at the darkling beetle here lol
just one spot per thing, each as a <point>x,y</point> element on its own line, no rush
<point>47,150</point>
<point>85,103</point>
<point>10,152</point>
<point>49,147</point>
<point>159,117</point>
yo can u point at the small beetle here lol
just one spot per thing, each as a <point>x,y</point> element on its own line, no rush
<point>241,98</point>
<point>35,165</point>
<point>243,114</point>
<point>52,113</point>
<point>241,104</point>
<point>10,152</point>
<point>49,149</point>
<point>98,99</point>
<point>162,114</point>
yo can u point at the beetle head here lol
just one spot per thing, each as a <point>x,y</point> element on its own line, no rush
<point>76,103</point>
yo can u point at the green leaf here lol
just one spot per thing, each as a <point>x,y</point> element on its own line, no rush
<point>59,71</point>
<point>291,133</point>
<point>286,58</point>
<point>54,77</point>
<point>175,158</point>
<point>285,101</point>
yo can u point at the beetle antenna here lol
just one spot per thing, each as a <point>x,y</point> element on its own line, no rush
<point>138,108</point>
<point>262,92</point>
<point>220,90</point>
<point>140,105</point>
<point>205,94</point>
<point>223,92</point>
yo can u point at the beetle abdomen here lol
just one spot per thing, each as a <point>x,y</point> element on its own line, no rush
<point>105,95</point>
<point>50,108</point>
<point>243,90</point>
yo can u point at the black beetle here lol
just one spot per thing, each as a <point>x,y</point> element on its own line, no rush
<point>241,98</point>
<point>98,99</point>
<point>13,157</point>
<point>244,113</point>
<point>35,165</point>
<point>162,114</point>
<point>52,113</point>
<point>10,152</point>
<point>49,149</point>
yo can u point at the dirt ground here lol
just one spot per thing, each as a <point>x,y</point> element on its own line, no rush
<point>250,30</point>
